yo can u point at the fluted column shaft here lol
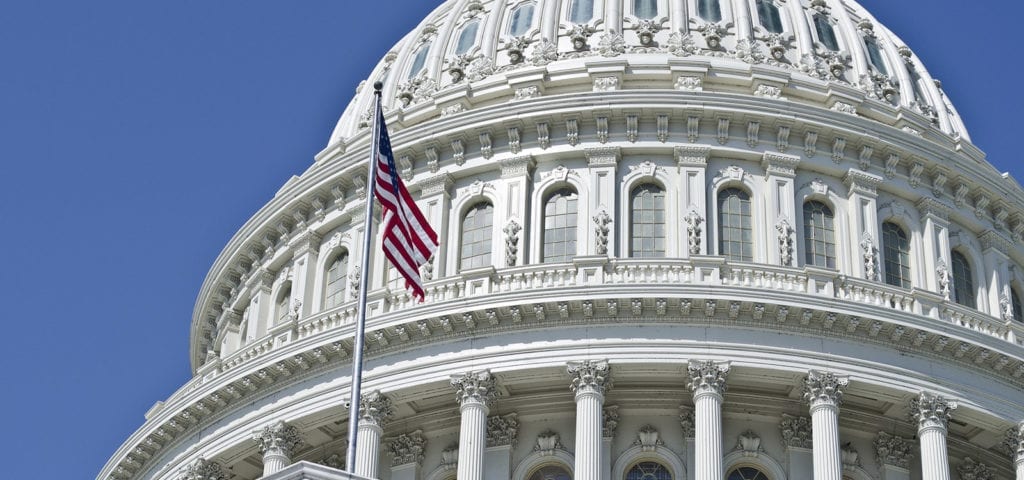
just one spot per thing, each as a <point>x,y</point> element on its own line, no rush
<point>476,390</point>
<point>932,413</point>
<point>824,392</point>
<point>368,448</point>
<point>590,379</point>
<point>707,382</point>
<point>1015,444</point>
<point>1020,467</point>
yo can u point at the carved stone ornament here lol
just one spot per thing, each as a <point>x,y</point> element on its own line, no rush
<point>502,430</point>
<point>278,438</point>
<point>611,44</point>
<point>601,227</point>
<point>511,230</point>
<point>579,35</point>
<point>516,49</point>
<point>450,457</point>
<point>931,410</point>
<point>203,469</point>
<point>407,448</point>
<point>416,90</point>
<point>785,231</point>
<point>972,470</point>
<point>610,421</point>
<point>1013,443</point>
<point>647,439</point>
<point>456,66</point>
<point>749,51</point>
<point>590,376</point>
<point>707,377</point>
<point>749,443</point>
<point>796,431</point>
<point>687,421</point>
<point>849,455</point>
<point>1005,305</point>
<point>544,53</point>
<point>477,387</point>
<point>713,34</point>
<point>375,408</point>
<point>870,255</point>
<point>824,388</point>
<point>681,44</point>
<point>694,229</point>
<point>942,274</point>
<point>893,450</point>
<point>547,443</point>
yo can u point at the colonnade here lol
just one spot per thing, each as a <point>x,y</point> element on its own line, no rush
<point>590,380</point>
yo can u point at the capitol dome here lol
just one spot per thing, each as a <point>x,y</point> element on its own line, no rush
<point>680,240</point>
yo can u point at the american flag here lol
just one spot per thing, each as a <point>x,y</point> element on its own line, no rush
<point>409,242</point>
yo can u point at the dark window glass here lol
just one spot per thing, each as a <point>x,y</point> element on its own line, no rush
<point>709,10</point>
<point>645,8</point>
<point>826,34</point>
<point>467,38</point>
<point>963,281</point>
<point>819,235</point>
<point>875,55</point>
<point>560,226</point>
<point>550,472</point>
<point>476,237</point>
<point>522,17</point>
<point>896,249</point>
<point>419,61</point>
<point>735,225</point>
<point>1018,315</point>
<point>334,293</point>
<point>648,471</point>
<point>647,227</point>
<point>581,11</point>
<point>746,473</point>
<point>769,16</point>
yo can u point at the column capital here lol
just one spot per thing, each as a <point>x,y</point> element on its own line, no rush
<point>796,431</point>
<point>1013,444</point>
<point>692,155</point>
<point>203,469</point>
<point>893,450</point>
<point>407,448</point>
<point>503,430</point>
<point>824,388</point>
<point>970,469</point>
<point>780,164</point>
<point>707,377</point>
<point>475,387</point>
<point>931,411</point>
<point>590,376</point>
<point>374,408</point>
<point>278,438</point>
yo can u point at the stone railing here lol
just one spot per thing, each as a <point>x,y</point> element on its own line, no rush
<point>875,293</point>
<point>973,319</point>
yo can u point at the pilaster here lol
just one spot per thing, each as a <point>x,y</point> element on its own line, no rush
<point>516,173</point>
<point>407,455</point>
<point>935,216</point>
<point>994,250</point>
<point>435,202</point>
<point>797,437</point>
<point>1014,445</point>
<point>780,170</point>
<point>603,162</point>
<point>894,454</point>
<point>862,214</point>
<point>502,437</point>
<point>693,163</point>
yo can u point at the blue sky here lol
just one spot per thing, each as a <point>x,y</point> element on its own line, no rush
<point>137,136</point>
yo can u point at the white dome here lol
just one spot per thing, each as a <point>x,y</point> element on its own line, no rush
<point>797,223</point>
<point>825,53</point>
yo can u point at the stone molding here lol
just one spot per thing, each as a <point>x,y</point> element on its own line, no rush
<point>707,377</point>
<point>893,450</point>
<point>475,387</point>
<point>277,438</point>
<point>824,388</point>
<point>930,410</point>
<point>589,376</point>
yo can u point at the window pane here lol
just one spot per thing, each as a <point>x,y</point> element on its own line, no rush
<point>467,38</point>
<point>419,61</point>
<point>476,237</point>
<point>645,8</point>
<point>581,11</point>
<point>768,14</point>
<point>819,235</point>
<point>875,55</point>
<point>283,303</point>
<point>522,17</point>
<point>648,471</point>
<point>560,226</point>
<point>896,253</point>
<point>746,473</point>
<point>735,231</point>
<point>963,281</point>
<point>551,472</point>
<point>826,34</point>
<point>709,10</point>
<point>1018,315</point>
<point>334,293</point>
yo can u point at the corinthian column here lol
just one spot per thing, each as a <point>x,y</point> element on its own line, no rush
<point>932,414</point>
<point>476,390</point>
<point>374,411</point>
<point>276,442</point>
<point>590,379</point>
<point>707,382</point>
<point>824,392</point>
<point>1015,446</point>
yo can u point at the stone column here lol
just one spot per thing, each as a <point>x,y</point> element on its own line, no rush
<point>602,186</point>
<point>203,469</point>
<point>516,173</point>
<point>1014,444</point>
<point>687,423</point>
<point>611,422</point>
<point>476,391</point>
<point>781,215</point>
<point>935,216</point>
<point>407,455</point>
<point>306,252</point>
<point>862,211</point>
<point>707,382</point>
<point>932,413</point>
<point>502,436</point>
<point>435,201</point>
<point>824,392</point>
<point>276,442</point>
<point>590,379</point>
<point>374,411</point>
<point>693,163</point>
<point>894,454</point>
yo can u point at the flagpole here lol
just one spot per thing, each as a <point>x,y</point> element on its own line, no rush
<point>357,349</point>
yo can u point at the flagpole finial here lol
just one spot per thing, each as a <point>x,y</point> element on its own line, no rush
<point>378,86</point>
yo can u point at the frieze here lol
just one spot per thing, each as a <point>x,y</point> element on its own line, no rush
<point>603,155</point>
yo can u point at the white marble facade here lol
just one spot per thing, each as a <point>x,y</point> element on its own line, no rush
<point>682,239</point>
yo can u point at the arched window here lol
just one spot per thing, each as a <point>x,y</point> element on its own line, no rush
<point>476,236</point>
<point>896,250</point>
<point>1018,315</point>
<point>735,227</point>
<point>522,18</point>
<point>819,235</point>
<point>467,38</point>
<point>648,471</point>
<point>550,472</point>
<point>963,281</point>
<point>826,34</point>
<point>560,226</point>
<point>283,303</point>
<point>746,473</point>
<point>419,61</point>
<point>709,10</point>
<point>645,8</point>
<point>647,227</point>
<point>581,11</point>
<point>875,55</point>
<point>334,291</point>
<point>394,280</point>
<point>769,16</point>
